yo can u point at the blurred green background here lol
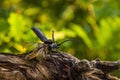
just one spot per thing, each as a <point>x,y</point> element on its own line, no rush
<point>92,25</point>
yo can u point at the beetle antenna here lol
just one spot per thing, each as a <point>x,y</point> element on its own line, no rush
<point>53,36</point>
<point>63,42</point>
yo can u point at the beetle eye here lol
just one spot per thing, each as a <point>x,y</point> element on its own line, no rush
<point>53,45</point>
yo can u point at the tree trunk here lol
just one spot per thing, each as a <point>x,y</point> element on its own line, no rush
<point>60,66</point>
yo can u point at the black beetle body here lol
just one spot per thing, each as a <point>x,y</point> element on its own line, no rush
<point>39,34</point>
<point>42,37</point>
<point>42,49</point>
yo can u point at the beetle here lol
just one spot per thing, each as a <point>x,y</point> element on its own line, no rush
<point>42,50</point>
<point>42,37</point>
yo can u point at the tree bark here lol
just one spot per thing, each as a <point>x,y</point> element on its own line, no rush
<point>60,66</point>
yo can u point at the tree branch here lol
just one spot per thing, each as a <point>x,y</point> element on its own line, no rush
<point>65,67</point>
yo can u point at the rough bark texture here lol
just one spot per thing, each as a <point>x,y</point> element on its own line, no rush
<point>61,66</point>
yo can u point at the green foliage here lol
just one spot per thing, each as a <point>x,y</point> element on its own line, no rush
<point>82,34</point>
<point>92,25</point>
